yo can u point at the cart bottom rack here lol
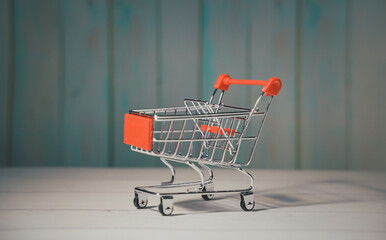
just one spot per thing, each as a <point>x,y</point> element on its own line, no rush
<point>200,134</point>
<point>206,190</point>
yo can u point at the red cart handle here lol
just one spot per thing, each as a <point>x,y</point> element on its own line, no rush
<point>270,87</point>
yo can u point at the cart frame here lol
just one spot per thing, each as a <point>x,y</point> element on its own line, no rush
<point>202,134</point>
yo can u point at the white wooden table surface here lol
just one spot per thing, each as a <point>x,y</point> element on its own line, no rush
<point>96,203</point>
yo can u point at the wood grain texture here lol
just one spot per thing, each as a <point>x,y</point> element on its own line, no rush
<point>180,51</point>
<point>4,79</point>
<point>86,88</point>
<point>225,33</point>
<point>367,113</point>
<point>323,127</point>
<point>37,67</point>
<point>135,71</point>
<point>273,55</point>
<point>95,203</point>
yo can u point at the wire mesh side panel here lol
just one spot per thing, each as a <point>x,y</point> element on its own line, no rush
<point>204,139</point>
<point>209,133</point>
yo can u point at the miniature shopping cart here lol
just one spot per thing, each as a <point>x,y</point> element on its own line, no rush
<point>200,134</point>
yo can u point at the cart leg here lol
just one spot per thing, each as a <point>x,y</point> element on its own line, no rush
<point>140,200</point>
<point>197,169</point>
<point>208,169</point>
<point>171,169</point>
<point>248,175</point>
<point>208,186</point>
<point>166,206</point>
<point>246,198</point>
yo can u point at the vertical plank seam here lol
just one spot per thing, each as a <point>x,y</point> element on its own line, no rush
<point>298,67</point>
<point>61,91</point>
<point>200,50</point>
<point>11,82</point>
<point>158,56</point>
<point>111,90</point>
<point>347,88</point>
<point>202,33</point>
<point>248,49</point>
<point>158,47</point>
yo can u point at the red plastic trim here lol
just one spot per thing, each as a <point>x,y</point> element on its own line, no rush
<point>215,130</point>
<point>271,87</point>
<point>138,130</point>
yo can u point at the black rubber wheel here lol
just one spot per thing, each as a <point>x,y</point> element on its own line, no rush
<point>161,210</point>
<point>207,197</point>
<point>139,205</point>
<point>245,207</point>
<point>135,202</point>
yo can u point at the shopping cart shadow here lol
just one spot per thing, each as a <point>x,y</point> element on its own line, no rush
<point>307,194</point>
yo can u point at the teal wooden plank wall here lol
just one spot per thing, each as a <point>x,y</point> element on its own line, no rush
<point>322,87</point>
<point>35,137</point>
<point>273,54</point>
<point>85,139</point>
<point>135,70</point>
<point>69,70</point>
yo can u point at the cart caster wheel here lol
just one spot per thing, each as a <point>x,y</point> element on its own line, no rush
<point>166,206</point>
<point>140,201</point>
<point>207,197</point>
<point>247,203</point>
<point>208,187</point>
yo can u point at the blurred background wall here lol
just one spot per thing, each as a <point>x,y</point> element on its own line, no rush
<point>69,70</point>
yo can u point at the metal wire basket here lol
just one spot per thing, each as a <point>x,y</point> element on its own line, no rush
<point>200,134</point>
